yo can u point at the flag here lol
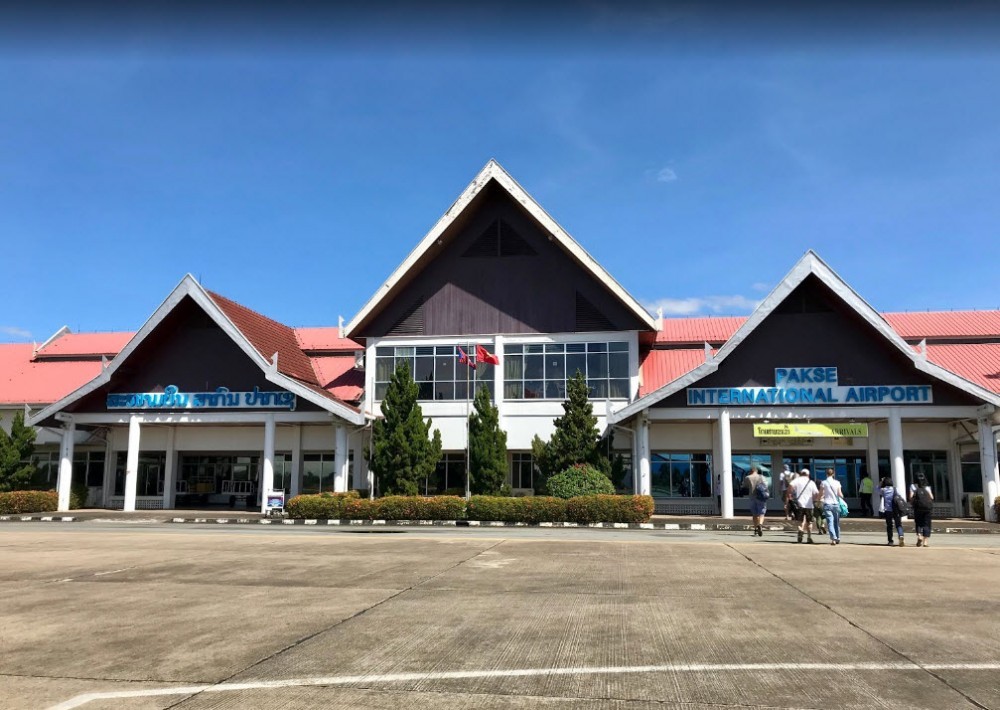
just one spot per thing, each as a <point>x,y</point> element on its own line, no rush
<point>464,359</point>
<point>483,355</point>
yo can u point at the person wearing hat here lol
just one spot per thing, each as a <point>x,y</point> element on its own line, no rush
<point>802,493</point>
<point>784,480</point>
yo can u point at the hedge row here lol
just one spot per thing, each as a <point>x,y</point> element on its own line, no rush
<point>28,502</point>
<point>529,509</point>
<point>348,506</point>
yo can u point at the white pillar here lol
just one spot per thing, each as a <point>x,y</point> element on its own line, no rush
<point>109,469</point>
<point>132,463</point>
<point>645,486</point>
<point>296,482</point>
<point>988,464</point>
<point>872,462</point>
<point>896,450</point>
<point>267,472</point>
<point>65,481</point>
<point>726,468</point>
<point>340,460</point>
<point>955,478</point>
<point>169,473</point>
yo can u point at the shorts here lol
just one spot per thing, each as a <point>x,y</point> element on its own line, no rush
<point>757,507</point>
<point>803,513</point>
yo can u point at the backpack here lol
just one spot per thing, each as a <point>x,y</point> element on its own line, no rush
<point>760,492</point>
<point>922,500</point>
<point>900,504</point>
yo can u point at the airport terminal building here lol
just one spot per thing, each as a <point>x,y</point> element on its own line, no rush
<point>208,402</point>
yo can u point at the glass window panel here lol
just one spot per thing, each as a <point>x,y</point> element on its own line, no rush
<point>598,388</point>
<point>445,350</point>
<point>555,367</point>
<point>444,368</point>
<point>400,360</point>
<point>618,364</point>
<point>423,371</point>
<point>513,367</point>
<point>380,391</point>
<point>597,347</point>
<point>534,367</point>
<point>512,349</point>
<point>513,390</point>
<point>461,387</point>
<point>425,350</point>
<point>383,351</point>
<point>404,351</point>
<point>555,389</point>
<point>533,389</point>
<point>426,390</point>
<point>383,368</point>
<point>444,390</point>
<point>618,347</point>
<point>576,363</point>
<point>576,347</point>
<point>534,348</point>
<point>555,347</point>
<point>619,389</point>
<point>597,365</point>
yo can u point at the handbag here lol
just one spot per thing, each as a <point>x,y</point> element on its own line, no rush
<point>844,512</point>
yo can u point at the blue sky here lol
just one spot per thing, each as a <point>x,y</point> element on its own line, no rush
<point>695,155</point>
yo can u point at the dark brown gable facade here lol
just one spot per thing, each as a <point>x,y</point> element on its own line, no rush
<point>496,270</point>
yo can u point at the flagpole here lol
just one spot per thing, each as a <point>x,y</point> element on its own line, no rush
<point>468,448</point>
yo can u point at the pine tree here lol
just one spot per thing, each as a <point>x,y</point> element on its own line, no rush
<point>576,437</point>
<point>16,448</point>
<point>404,452</point>
<point>487,446</point>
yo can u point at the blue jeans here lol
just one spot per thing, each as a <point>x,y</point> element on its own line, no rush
<point>832,513</point>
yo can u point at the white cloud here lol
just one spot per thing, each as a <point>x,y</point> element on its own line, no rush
<point>761,286</point>
<point>666,175</point>
<point>704,305</point>
<point>14,331</point>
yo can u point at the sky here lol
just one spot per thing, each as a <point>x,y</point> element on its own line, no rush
<point>291,159</point>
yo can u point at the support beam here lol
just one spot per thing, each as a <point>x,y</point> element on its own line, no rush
<point>65,481</point>
<point>872,462</point>
<point>645,487</point>
<point>340,460</point>
<point>989,466</point>
<point>169,470</point>
<point>725,466</point>
<point>132,463</point>
<point>896,450</point>
<point>267,472</point>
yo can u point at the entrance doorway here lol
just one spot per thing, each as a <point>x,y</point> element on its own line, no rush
<point>228,480</point>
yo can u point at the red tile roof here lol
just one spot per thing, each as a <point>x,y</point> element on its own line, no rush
<point>976,362</point>
<point>711,329</point>
<point>325,339</point>
<point>27,381</point>
<point>268,337</point>
<point>85,344</point>
<point>946,324</point>
<point>337,375</point>
<point>660,367</point>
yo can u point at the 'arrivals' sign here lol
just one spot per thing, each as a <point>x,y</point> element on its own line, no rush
<point>804,429</point>
<point>809,385</point>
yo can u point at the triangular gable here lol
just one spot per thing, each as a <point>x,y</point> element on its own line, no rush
<point>220,310</point>
<point>809,265</point>
<point>490,173</point>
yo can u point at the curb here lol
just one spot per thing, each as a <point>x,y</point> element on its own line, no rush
<point>718,527</point>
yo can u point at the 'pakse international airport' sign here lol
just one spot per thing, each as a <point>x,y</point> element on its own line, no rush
<point>809,385</point>
<point>794,430</point>
<point>222,398</point>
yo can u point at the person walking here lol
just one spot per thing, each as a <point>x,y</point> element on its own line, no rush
<point>756,488</point>
<point>865,491</point>
<point>922,500</point>
<point>832,493</point>
<point>803,492</point>
<point>784,481</point>
<point>893,515</point>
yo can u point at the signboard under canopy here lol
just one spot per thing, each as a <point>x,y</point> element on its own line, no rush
<point>795,430</point>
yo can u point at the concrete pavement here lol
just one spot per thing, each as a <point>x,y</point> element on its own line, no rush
<point>500,618</point>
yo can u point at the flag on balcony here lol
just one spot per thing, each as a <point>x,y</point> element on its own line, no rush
<point>484,355</point>
<point>464,359</point>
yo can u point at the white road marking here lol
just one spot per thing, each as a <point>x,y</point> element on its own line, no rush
<point>112,571</point>
<point>81,700</point>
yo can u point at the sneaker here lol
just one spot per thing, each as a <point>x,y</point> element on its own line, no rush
<point>920,543</point>
<point>810,540</point>
<point>837,541</point>
<point>759,532</point>
<point>833,542</point>
<point>902,543</point>
<point>800,537</point>
<point>926,544</point>
<point>890,543</point>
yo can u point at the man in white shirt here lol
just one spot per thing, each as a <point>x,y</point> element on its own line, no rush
<point>802,494</point>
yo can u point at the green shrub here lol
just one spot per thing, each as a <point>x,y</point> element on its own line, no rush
<point>579,480</point>
<point>16,502</point>
<point>609,509</point>
<point>978,509</point>
<point>323,505</point>
<point>529,509</point>
<point>996,508</point>
<point>78,493</point>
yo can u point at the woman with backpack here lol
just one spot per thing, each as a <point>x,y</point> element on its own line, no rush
<point>757,490</point>
<point>922,500</point>
<point>893,514</point>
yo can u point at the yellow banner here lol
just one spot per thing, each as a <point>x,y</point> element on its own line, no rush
<point>802,429</point>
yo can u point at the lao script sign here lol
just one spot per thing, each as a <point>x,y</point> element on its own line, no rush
<point>221,398</point>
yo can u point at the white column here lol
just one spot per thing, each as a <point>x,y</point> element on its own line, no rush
<point>726,452</point>
<point>955,478</point>
<point>132,463</point>
<point>896,450</point>
<point>340,460</point>
<point>642,446</point>
<point>65,480</point>
<point>109,469</point>
<point>169,470</point>
<point>872,462</point>
<point>988,464</point>
<point>296,482</point>
<point>267,472</point>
